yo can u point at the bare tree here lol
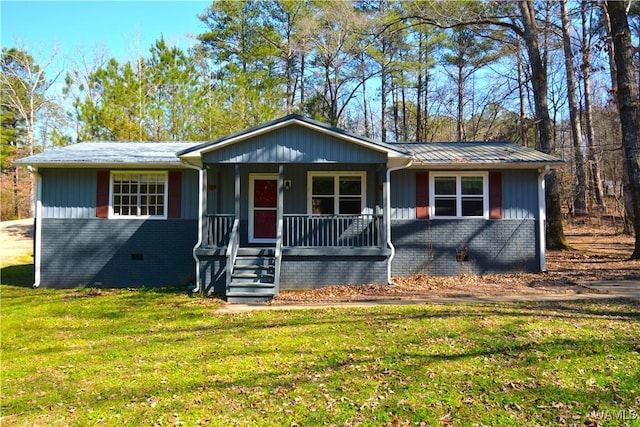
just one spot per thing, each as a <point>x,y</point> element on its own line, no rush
<point>627,96</point>
<point>24,87</point>
<point>580,193</point>
<point>594,154</point>
<point>555,231</point>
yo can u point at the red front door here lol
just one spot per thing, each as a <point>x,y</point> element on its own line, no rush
<point>265,208</point>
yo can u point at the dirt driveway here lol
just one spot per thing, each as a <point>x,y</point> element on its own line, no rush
<point>16,239</point>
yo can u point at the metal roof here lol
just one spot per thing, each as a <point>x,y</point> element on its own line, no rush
<point>473,154</point>
<point>459,155</point>
<point>112,154</point>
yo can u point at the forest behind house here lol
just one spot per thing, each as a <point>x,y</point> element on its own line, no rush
<point>560,76</point>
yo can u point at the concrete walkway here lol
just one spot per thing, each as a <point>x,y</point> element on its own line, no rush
<point>629,289</point>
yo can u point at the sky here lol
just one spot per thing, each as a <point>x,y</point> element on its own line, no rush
<point>123,28</point>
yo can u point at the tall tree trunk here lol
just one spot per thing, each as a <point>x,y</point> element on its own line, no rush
<point>555,231</point>
<point>365,108</point>
<point>594,154</point>
<point>302,81</point>
<point>419,91</point>
<point>628,210</point>
<point>460,113</point>
<point>405,129</point>
<point>629,108</point>
<point>394,103</point>
<point>384,75</point>
<point>580,193</point>
<point>524,131</point>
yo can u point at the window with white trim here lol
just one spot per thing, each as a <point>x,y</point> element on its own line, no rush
<point>336,193</point>
<point>139,195</point>
<point>459,195</point>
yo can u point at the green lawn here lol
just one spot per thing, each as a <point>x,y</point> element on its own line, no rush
<point>143,357</point>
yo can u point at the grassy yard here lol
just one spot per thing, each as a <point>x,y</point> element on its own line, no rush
<point>144,357</point>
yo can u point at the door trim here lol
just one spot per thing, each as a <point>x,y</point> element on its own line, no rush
<point>252,178</point>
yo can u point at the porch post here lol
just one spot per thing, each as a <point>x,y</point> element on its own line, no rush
<point>237,192</point>
<point>386,214</point>
<point>204,204</point>
<point>280,210</point>
<point>381,203</point>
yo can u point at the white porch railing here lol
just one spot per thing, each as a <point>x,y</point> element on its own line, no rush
<point>310,231</point>
<point>307,231</point>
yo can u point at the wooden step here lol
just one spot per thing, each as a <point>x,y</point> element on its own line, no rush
<point>253,276</point>
<point>256,252</point>
<point>251,288</point>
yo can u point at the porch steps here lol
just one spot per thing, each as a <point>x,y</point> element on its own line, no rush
<point>253,276</point>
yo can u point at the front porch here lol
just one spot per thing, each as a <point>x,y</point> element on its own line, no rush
<point>294,203</point>
<point>248,255</point>
<point>309,250</point>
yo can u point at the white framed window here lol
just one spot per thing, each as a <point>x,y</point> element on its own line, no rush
<point>459,194</point>
<point>139,195</point>
<point>336,193</point>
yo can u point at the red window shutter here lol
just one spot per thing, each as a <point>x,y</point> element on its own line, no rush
<point>422,195</point>
<point>175,194</point>
<point>102,194</point>
<point>495,195</point>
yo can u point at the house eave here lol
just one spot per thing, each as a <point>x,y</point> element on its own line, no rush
<point>457,165</point>
<point>105,165</point>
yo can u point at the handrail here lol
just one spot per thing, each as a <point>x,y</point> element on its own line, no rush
<point>279,240</point>
<point>232,250</point>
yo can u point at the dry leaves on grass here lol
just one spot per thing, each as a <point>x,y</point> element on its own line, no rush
<point>600,253</point>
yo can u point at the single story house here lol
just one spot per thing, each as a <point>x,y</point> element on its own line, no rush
<point>293,203</point>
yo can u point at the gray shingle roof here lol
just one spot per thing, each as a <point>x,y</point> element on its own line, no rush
<point>475,154</point>
<point>111,153</point>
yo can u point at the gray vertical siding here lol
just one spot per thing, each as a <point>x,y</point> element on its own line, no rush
<point>68,193</point>
<point>519,194</point>
<point>403,194</point>
<point>294,144</point>
<point>190,194</point>
<point>71,193</point>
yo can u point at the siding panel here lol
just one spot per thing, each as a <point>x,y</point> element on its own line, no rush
<point>68,193</point>
<point>519,194</point>
<point>190,194</point>
<point>72,193</point>
<point>403,194</point>
<point>294,144</point>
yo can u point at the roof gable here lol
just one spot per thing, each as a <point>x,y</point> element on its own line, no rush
<point>326,135</point>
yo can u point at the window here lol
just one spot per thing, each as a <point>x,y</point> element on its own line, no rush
<point>339,193</point>
<point>459,195</point>
<point>139,194</point>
